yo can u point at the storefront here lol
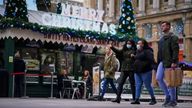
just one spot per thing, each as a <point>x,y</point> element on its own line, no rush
<point>38,53</point>
<point>49,46</point>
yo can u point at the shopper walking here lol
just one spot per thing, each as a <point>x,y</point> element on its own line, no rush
<point>168,51</point>
<point>110,67</point>
<point>144,63</point>
<point>127,70</point>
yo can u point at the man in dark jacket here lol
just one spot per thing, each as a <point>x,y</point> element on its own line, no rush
<point>167,58</point>
<point>19,67</point>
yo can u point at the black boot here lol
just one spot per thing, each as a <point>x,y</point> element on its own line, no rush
<point>118,99</point>
<point>136,101</point>
<point>153,101</point>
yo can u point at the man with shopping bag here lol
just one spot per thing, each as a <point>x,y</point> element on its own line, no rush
<point>168,51</point>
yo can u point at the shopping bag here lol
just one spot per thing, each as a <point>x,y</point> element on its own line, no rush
<point>154,81</point>
<point>173,77</point>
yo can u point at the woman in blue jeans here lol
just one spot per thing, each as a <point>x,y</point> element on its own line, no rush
<point>144,61</point>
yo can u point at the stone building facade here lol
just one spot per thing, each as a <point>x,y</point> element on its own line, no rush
<point>150,13</point>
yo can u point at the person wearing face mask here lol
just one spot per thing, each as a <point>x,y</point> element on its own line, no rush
<point>144,63</point>
<point>126,68</point>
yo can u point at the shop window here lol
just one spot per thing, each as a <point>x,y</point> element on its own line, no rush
<point>30,56</point>
<point>67,61</point>
<point>147,31</point>
<point>87,49</point>
<point>48,60</point>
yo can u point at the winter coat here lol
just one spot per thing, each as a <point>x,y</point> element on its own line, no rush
<point>110,66</point>
<point>19,65</point>
<point>168,50</point>
<point>144,61</point>
<point>125,59</point>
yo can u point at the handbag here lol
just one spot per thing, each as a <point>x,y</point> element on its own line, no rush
<point>154,81</point>
<point>173,77</point>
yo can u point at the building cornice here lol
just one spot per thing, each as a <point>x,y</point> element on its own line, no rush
<point>164,14</point>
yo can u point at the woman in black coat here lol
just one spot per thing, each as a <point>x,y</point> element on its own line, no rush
<point>127,70</point>
<point>144,63</point>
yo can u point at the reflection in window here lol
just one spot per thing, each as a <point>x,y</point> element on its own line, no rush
<point>178,28</point>
<point>67,61</point>
<point>147,30</point>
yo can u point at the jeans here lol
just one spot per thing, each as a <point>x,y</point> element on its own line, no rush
<point>169,92</point>
<point>145,78</point>
<point>106,81</point>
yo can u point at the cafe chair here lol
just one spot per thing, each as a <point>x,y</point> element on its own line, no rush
<point>69,88</point>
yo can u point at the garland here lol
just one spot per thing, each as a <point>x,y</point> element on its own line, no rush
<point>6,23</point>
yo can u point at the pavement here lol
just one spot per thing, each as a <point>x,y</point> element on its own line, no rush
<point>145,97</point>
<point>76,103</point>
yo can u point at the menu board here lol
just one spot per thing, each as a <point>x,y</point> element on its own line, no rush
<point>96,80</point>
<point>32,64</point>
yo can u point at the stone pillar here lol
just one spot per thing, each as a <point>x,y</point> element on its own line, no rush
<point>154,40</point>
<point>156,5</point>
<point>100,4</point>
<point>155,32</point>
<point>140,31</point>
<point>111,8</point>
<point>141,7</point>
<point>188,39</point>
<point>155,49</point>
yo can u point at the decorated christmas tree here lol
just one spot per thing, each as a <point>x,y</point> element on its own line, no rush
<point>127,19</point>
<point>16,9</point>
<point>10,9</point>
